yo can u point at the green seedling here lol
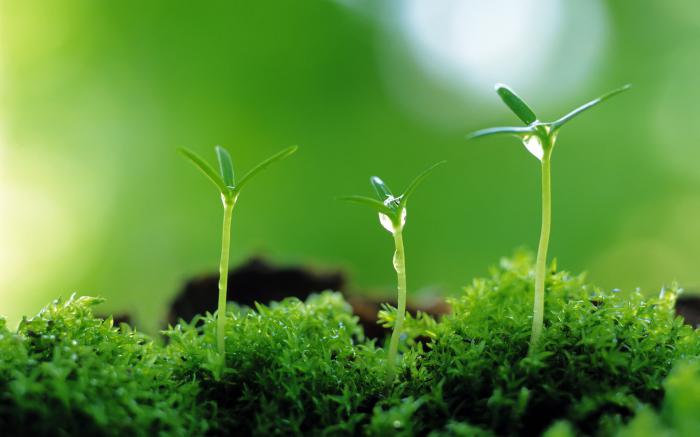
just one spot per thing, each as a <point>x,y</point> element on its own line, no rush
<point>392,216</point>
<point>229,190</point>
<point>538,138</point>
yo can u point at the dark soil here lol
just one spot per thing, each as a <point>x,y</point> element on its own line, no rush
<point>688,307</point>
<point>263,282</point>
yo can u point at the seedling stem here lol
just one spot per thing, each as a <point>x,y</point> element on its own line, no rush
<point>541,263</point>
<point>539,139</point>
<point>392,216</point>
<point>223,271</point>
<point>229,189</point>
<point>400,267</point>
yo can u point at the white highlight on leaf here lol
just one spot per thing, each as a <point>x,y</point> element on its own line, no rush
<point>388,224</point>
<point>533,144</point>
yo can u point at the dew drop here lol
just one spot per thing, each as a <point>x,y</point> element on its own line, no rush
<point>388,224</point>
<point>533,144</point>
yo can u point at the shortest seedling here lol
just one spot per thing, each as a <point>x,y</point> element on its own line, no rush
<point>229,190</point>
<point>392,216</point>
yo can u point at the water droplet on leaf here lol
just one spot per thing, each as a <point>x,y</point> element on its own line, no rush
<point>534,145</point>
<point>388,223</point>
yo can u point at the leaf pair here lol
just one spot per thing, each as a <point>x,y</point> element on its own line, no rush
<point>225,180</point>
<point>534,127</point>
<point>388,204</point>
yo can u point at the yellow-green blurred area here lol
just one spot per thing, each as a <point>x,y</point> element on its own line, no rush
<point>98,95</point>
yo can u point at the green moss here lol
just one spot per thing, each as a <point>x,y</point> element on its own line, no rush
<point>292,368</point>
<point>603,354</point>
<point>66,372</point>
<point>679,411</point>
<point>298,368</point>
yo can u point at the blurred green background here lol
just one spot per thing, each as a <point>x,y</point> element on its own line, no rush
<point>97,96</point>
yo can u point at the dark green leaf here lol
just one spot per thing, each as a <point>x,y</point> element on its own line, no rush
<point>266,163</point>
<point>225,166</point>
<point>516,104</point>
<point>589,105</point>
<point>368,201</point>
<point>381,188</point>
<point>509,130</point>
<point>414,184</point>
<point>205,168</point>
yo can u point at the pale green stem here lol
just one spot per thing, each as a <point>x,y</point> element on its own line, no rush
<point>400,267</point>
<point>223,275</point>
<point>541,265</point>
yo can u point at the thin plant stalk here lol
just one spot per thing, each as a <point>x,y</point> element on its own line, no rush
<point>400,267</point>
<point>541,264</point>
<point>392,217</point>
<point>223,274</point>
<point>538,138</point>
<point>229,190</point>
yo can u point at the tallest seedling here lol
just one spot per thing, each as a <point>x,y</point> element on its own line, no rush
<point>229,190</point>
<point>538,138</point>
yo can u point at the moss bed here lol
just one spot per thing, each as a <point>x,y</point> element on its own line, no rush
<point>610,363</point>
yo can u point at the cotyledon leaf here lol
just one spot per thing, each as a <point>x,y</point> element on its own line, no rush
<point>516,104</point>
<point>416,181</point>
<point>368,201</point>
<point>225,166</point>
<point>263,165</point>
<point>205,168</point>
<point>505,130</point>
<point>589,105</point>
<point>381,188</point>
